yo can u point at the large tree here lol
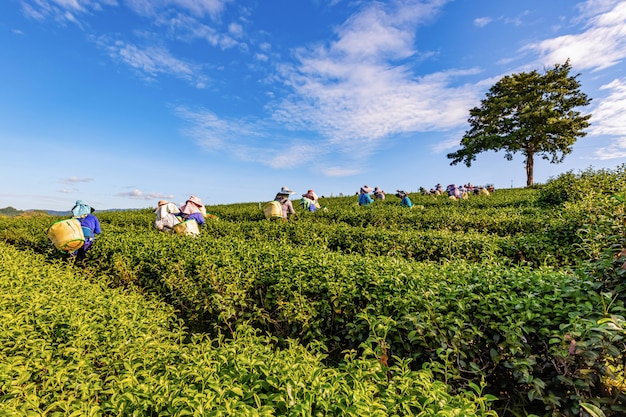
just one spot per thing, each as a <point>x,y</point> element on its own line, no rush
<point>532,113</point>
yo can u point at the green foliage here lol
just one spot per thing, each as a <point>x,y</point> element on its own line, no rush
<point>586,185</point>
<point>492,304</point>
<point>71,347</point>
<point>531,113</point>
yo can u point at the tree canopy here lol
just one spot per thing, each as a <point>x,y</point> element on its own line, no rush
<point>531,113</point>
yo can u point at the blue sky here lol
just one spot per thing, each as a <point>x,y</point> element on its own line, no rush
<point>125,102</point>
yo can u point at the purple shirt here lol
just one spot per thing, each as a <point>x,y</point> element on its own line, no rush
<point>91,222</point>
<point>198,217</point>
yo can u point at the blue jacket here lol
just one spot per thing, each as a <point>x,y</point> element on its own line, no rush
<point>365,200</point>
<point>92,223</point>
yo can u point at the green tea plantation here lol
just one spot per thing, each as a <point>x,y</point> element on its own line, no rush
<point>504,305</point>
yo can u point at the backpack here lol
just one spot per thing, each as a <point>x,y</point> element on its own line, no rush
<point>187,228</point>
<point>273,210</point>
<point>167,223</point>
<point>66,235</point>
<point>308,204</point>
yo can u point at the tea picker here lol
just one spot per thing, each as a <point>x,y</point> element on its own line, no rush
<point>281,207</point>
<point>74,237</point>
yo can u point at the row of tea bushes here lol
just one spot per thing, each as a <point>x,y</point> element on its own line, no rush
<point>69,346</point>
<point>510,326</point>
<point>468,313</point>
<point>555,244</point>
<point>505,213</point>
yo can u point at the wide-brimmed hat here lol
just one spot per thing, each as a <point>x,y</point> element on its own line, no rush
<point>81,208</point>
<point>366,189</point>
<point>160,204</point>
<point>286,191</point>
<point>195,200</point>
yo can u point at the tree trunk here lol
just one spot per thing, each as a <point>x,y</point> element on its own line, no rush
<point>530,165</point>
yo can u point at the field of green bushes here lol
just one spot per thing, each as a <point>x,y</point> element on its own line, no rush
<point>503,305</point>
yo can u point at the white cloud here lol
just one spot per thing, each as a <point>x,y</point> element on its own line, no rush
<point>349,95</point>
<point>247,140</point>
<point>236,30</point>
<point>152,61</point>
<point>74,180</point>
<point>613,151</point>
<point>609,116</point>
<point>482,21</point>
<point>187,28</point>
<point>517,20</point>
<point>198,8</point>
<point>355,92</point>
<point>294,155</point>
<point>592,8</point>
<point>181,17</point>
<point>340,171</point>
<point>447,145</point>
<point>140,195</point>
<point>601,45</point>
<point>214,133</point>
<point>63,10</point>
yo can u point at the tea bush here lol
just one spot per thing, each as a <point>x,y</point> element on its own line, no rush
<point>73,347</point>
<point>504,290</point>
<point>571,187</point>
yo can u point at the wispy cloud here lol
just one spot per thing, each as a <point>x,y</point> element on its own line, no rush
<point>215,133</point>
<point>517,20</point>
<point>347,96</point>
<point>152,61</point>
<point>358,89</point>
<point>70,10</point>
<point>613,151</point>
<point>63,11</point>
<point>448,144</point>
<point>482,21</point>
<point>187,28</point>
<point>340,171</point>
<point>609,116</point>
<point>601,45</point>
<point>140,195</point>
<point>247,139</point>
<point>198,8</point>
<point>74,180</point>
<point>294,155</point>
